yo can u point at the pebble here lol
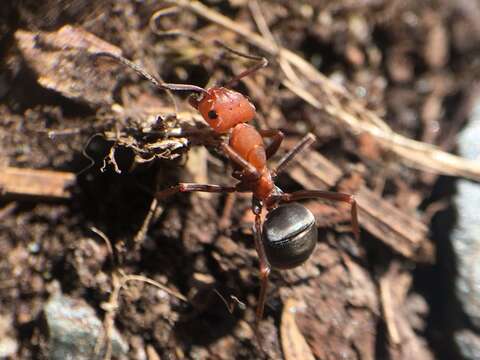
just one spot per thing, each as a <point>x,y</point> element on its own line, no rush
<point>74,330</point>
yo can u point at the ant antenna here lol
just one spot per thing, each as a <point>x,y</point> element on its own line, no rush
<point>140,71</point>
<point>261,63</point>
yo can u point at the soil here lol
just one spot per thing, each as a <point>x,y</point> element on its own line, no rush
<point>412,63</point>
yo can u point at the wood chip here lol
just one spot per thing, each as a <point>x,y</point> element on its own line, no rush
<point>58,58</point>
<point>37,184</point>
<point>402,232</point>
<point>294,344</point>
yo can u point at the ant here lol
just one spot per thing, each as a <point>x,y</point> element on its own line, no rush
<point>288,236</point>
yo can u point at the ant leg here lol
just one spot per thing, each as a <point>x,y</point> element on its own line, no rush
<point>192,187</point>
<point>305,142</point>
<point>277,138</point>
<point>264,268</point>
<point>328,195</point>
<point>249,169</point>
<point>225,219</point>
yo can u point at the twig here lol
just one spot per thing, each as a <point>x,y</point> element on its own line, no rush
<point>388,308</point>
<point>142,232</point>
<point>294,344</point>
<point>35,184</point>
<point>7,210</point>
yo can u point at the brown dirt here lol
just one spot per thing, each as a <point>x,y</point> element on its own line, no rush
<point>410,62</point>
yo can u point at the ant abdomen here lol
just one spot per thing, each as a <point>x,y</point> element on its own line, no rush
<point>289,235</point>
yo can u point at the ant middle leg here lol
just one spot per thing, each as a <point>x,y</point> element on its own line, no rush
<point>331,196</point>
<point>248,169</point>
<point>277,137</point>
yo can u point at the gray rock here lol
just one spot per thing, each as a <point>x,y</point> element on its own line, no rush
<point>8,347</point>
<point>468,343</point>
<point>74,330</point>
<point>465,239</point>
<point>466,235</point>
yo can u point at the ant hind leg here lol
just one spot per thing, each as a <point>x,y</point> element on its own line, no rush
<point>331,196</point>
<point>264,269</point>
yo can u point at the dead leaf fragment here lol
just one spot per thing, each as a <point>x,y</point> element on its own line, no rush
<point>294,344</point>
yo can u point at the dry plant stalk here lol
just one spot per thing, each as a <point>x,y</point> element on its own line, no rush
<point>342,106</point>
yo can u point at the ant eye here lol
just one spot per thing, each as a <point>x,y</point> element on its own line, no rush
<point>212,114</point>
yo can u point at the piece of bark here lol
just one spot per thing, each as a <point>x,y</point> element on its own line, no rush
<point>62,62</point>
<point>35,184</point>
<point>315,171</point>
<point>404,343</point>
<point>294,344</point>
<point>402,232</point>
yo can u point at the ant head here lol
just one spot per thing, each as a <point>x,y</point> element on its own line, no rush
<point>289,235</point>
<point>223,108</point>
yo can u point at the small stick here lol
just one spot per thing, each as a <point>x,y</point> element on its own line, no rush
<point>35,184</point>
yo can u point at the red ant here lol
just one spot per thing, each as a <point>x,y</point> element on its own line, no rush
<point>289,235</point>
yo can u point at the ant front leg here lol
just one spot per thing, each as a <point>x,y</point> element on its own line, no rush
<point>277,138</point>
<point>327,195</point>
<point>192,187</point>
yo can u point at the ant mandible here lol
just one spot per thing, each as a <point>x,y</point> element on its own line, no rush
<point>288,235</point>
